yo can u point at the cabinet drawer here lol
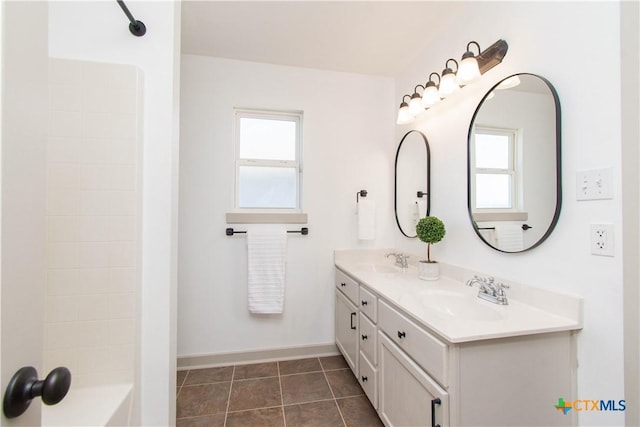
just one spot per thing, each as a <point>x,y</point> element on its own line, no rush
<point>348,286</point>
<point>368,379</point>
<point>369,304</point>
<point>368,339</point>
<point>428,351</point>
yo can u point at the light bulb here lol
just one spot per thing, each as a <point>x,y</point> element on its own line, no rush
<point>448,84</point>
<point>404,116</point>
<point>448,81</point>
<point>430,95</point>
<point>415,104</point>
<point>468,71</point>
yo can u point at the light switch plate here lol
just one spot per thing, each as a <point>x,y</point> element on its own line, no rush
<point>594,184</point>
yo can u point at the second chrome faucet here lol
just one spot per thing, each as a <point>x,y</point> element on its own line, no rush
<point>490,290</point>
<point>401,259</point>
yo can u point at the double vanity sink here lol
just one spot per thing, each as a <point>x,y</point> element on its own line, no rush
<point>433,353</point>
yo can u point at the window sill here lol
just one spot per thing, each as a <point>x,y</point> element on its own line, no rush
<point>266,218</point>
<point>500,216</point>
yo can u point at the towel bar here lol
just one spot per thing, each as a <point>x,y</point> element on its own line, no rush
<point>525,227</point>
<point>230,231</point>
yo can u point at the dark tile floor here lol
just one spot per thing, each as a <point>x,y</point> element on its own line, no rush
<point>307,392</point>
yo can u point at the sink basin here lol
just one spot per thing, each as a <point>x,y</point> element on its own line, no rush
<point>450,304</point>
<point>378,268</point>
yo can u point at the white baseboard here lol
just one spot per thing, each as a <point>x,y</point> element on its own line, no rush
<point>255,356</point>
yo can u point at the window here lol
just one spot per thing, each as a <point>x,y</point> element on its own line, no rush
<point>268,171</point>
<point>494,172</point>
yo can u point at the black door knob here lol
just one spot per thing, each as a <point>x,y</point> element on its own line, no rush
<point>25,386</point>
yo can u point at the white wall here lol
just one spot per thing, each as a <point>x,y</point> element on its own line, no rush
<point>23,137</point>
<point>98,31</point>
<point>347,146</point>
<point>577,47</point>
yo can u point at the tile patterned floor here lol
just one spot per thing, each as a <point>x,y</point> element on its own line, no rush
<point>311,392</point>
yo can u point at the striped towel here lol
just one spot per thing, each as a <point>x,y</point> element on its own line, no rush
<point>267,251</point>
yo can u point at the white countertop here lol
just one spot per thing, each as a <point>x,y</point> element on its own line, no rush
<point>451,309</point>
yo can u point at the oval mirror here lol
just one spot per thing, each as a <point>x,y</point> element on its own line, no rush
<point>513,163</point>
<point>412,181</point>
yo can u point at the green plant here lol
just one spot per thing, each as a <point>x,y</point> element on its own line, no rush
<point>430,230</point>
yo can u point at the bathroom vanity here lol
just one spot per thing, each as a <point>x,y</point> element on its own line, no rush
<point>432,353</point>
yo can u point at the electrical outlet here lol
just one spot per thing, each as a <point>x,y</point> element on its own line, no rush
<point>595,184</point>
<point>602,239</point>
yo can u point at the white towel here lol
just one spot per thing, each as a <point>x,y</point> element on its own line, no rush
<point>422,208</point>
<point>366,219</point>
<point>489,236</point>
<point>510,237</point>
<point>266,260</point>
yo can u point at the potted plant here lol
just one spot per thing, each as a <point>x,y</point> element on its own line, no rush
<point>430,230</point>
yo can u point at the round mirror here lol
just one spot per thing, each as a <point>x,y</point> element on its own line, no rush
<point>513,163</point>
<point>412,182</point>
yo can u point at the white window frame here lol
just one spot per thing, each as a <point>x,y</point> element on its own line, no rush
<point>295,116</point>
<point>513,170</point>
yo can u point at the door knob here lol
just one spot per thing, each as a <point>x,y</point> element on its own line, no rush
<point>25,386</point>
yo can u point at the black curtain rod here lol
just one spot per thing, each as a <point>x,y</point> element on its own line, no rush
<point>137,28</point>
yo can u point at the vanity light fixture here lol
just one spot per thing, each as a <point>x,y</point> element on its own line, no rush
<point>450,80</point>
<point>469,70</point>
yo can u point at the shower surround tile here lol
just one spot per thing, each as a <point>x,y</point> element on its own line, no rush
<point>93,195</point>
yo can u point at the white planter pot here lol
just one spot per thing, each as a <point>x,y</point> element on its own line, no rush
<point>428,270</point>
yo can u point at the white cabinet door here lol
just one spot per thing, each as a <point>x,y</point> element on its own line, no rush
<point>406,393</point>
<point>347,330</point>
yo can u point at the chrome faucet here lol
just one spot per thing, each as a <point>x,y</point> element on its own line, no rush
<point>401,259</point>
<point>490,290</point>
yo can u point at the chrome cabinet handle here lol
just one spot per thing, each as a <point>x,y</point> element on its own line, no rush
<point>24,386</point>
